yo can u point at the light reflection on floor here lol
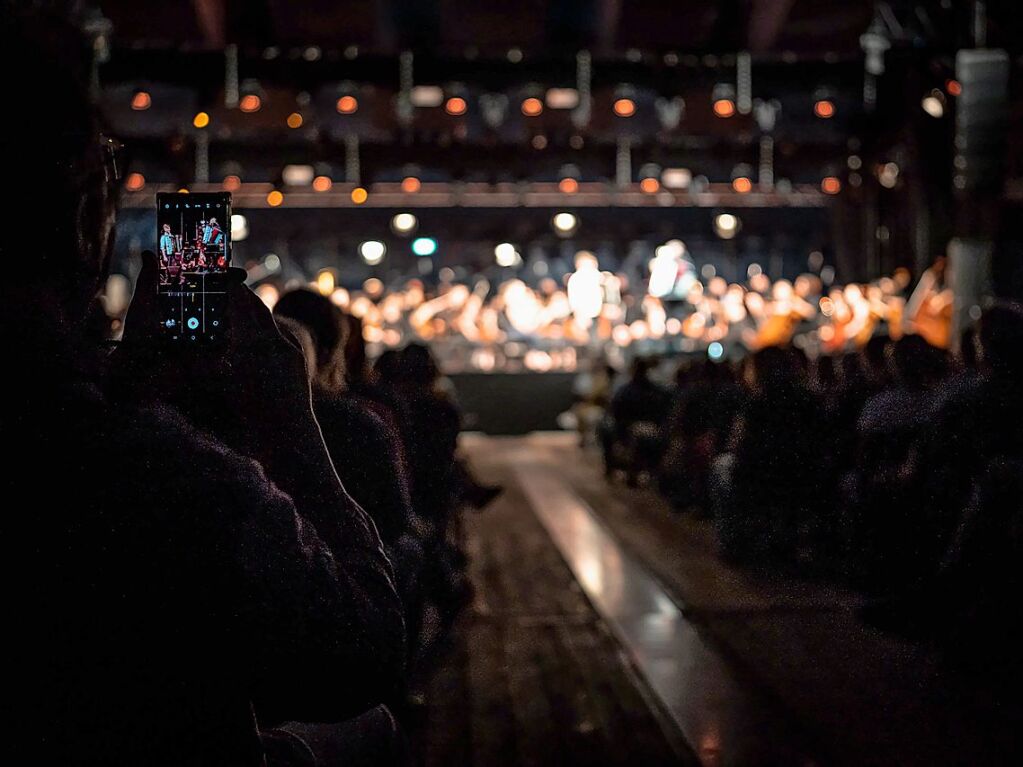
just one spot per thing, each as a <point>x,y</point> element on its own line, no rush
<point>721,718</point>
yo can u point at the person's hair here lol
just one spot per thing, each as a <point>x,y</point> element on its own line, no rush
<point>325,324</point>
<point>66,192</point>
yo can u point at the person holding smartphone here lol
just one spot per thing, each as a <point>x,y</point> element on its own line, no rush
<point>184,567</point>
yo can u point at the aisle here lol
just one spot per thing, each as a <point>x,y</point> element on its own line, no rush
<point>534,675</point>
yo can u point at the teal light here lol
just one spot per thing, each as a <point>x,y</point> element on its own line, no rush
<point>424,246</point>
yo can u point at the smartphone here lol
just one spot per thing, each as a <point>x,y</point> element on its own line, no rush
<point>193,235</point>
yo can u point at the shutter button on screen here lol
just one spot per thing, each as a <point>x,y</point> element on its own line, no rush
<point>192,323</point>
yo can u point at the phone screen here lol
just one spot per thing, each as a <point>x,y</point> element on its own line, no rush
<point>193,234</point>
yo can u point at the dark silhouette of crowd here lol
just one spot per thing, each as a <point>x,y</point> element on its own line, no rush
<point>896,469</point>
<point>238,555</point>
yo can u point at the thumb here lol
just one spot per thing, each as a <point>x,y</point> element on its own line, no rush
<point>140,323</point>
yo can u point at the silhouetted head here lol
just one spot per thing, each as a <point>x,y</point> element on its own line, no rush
<point>65,176</point>
<point>1000,334</point>
<point>325,324</point>
<point>418,369</point>
<point>641,368</point>
<point>915,363</point>
<point>388,369</point>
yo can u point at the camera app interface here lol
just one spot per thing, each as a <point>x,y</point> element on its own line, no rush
<point>194,249</point>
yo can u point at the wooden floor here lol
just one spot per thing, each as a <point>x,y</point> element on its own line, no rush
<point>533,676</point>
<point>768,672</point>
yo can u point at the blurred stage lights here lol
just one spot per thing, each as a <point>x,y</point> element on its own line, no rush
<point>347,105</point>
<point>325,282</point>
<point>953,88</point>
<point>359,195</point>
<point>135,182</point>
<point>275,199</point>
<point>824,109</point>
<point>565,224</point>
<point>424,246</point>
<point>676,178</point>
<point>298,175</point>
<point>624,107</point>
<point>724,107</point>
<point>268,294</point>
<point>322,184</point>
<point>250,103</point>
<point>934,104</point>
<point>201,120</point>
<point>831,185</point>
<point>506,255</point>
<point>372,252</point>
<point>232,183</point>
<point>742,185</point>
<point>649,185</point>
<point>455,106</point>
<point>715,351</point>
<point>426,96</point>
<point>239,227</point>
<point>403,223</point>
<point>532,107</point>
<point>141,101</point>
<point>726,225</point>
<point>568,186</point>
<point>294,120</point>
<point>410,185</point>
<point>562,98</point>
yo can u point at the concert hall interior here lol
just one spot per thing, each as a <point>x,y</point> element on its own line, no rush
<point>561,382</point>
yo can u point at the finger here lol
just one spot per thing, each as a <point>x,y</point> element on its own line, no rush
<point>140,323</point>
<point>251,320</point>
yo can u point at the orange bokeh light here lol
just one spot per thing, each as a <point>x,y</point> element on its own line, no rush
<point>141,101</point>
<point>347,105</point>
<point>455,106</point>
<point>359,195</point>
<point>201,120</point>
<point>410,185</point>
<point>724,107</point>
<point>135,182</point>
<point>568,185</point>
<point>295,120</point>
<point>274,199</point>
<point>625,107</point>
<point>742,185</point>
<point>232,183</point>
<point>824,109</point>
<point>250,103</point>
<point>322,184</point>
<point>649,185</point>
<point>532,107</point>
<point>831,185</point>
<point>953,87</point>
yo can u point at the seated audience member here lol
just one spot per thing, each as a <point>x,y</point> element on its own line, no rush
<point>700,422</point>
<point>195,571</point>
<point>637,411</point>
<point>367,451</point>
<point>767,487</point>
